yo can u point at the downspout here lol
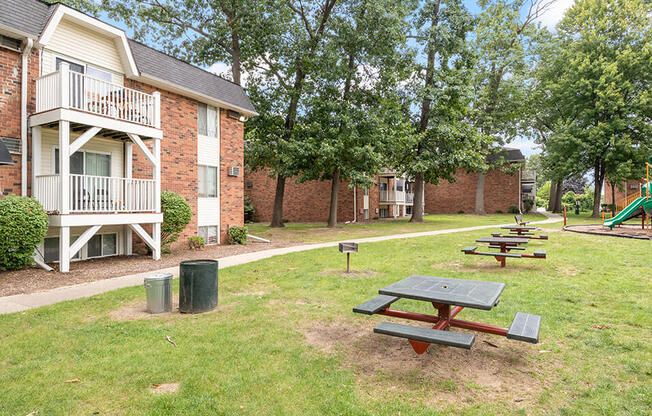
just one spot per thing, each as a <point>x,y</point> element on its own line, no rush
<point>27,49</point>
<point>355,204</point>
<point>520,190</point>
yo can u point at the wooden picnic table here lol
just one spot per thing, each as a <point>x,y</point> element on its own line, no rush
<point>449,297</point>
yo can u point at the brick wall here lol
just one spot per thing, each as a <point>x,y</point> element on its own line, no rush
<point>10,77</point>
<point>629,188</point>
<point>302,202</point>
<point>231,187</point>
<point>309,201</point>
<point>501,191</point>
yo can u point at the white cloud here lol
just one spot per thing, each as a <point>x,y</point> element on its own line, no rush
<point>555,13</point>
<point>527,147</point>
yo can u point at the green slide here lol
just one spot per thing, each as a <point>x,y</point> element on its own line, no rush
<point>630,211</point>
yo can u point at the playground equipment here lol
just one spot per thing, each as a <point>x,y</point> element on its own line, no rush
<point>634,205</point>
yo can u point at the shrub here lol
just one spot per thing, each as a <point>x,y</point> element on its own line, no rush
<point>249,210</point>
<point>238,235</point>
<point>513,209</point>
<point>528,204</point>
<point>375,217</point>
<point>460,211</point>
<point>23,225</point>
<point>195,243</point>
<point>499,211</point>
<point>176,215</point>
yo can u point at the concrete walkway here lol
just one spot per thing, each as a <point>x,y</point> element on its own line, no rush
<point>17,303</point>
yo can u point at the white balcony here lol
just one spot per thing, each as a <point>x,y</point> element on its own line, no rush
<point>96,194</point>
<point>67,89</point>
<point>396,197</point>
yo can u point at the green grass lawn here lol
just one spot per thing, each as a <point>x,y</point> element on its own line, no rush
<point>318,232</point>
<point>284,341</point>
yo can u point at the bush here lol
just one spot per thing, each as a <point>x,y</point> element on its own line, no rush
<point>176,215</point>
<point>528,204</point>
<point>460,211</point>
<point>249,210</point>
<point>195,243</point>
<point>238,235</point>
<point>23,225</point>
<point>513,209</point>
<point>499,211</point>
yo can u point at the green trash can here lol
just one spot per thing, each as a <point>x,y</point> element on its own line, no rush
<point>159,292</point>
<point>197,286</point>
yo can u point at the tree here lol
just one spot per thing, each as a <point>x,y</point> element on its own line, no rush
<point>271,142</point>
<point>505,41</point>
<point>599,81</point>
<point>353,111</point>
<point>442,141</point>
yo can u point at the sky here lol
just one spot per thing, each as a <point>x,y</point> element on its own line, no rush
<point>549,19</point>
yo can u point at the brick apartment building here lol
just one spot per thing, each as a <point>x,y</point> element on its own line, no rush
<point>392,195</point>
<point>132,121</point>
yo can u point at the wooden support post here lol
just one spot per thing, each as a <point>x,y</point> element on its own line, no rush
<point>64,166</point>
<point>64,249</point>
<point>36,157</point>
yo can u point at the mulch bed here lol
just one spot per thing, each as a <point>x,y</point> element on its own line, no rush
<point>623,230</point>
<point>35,279</point>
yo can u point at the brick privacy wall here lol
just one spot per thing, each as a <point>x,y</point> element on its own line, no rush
<point>10,75</point>
<point>302,202</point>
<point>501,191</point>
<point>231,187</point>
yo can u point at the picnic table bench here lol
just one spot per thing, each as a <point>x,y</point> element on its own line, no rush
<point>505,245</point>
<point>449,297</point>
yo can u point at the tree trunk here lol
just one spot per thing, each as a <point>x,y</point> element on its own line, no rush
<point>277,214</point>
<point>417,203</point>
<point>558,195</point>
<point>235,63</point>
<point>335,188</point>
<point>598,175</point>
<point>613,195</point>
<point>479,195</point>
<point>552,196</point>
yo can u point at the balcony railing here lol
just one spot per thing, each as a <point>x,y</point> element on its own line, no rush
<point>396,197</point>
<point>96,194</point>
<point>69,89</point>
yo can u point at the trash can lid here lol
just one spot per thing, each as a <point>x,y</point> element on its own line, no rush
<point>158,276</point>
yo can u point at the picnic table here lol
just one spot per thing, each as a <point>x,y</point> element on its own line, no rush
<point>449,297</point>
<point>505,244</point>
<point>524,231</point>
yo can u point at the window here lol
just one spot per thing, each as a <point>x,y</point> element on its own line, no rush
<point>99,74</point>
<point>51,249</point>
<point>207,120</point>
<point>86,163</point>
<point>384,212</point>
<point>208,233</point>
<point>73,66</point>
<point>102,245</point>
<point>207,181</point>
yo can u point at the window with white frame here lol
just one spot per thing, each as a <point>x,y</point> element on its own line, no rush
<point>208,233</point>
<point>207,181</point>
<point>208,120</point>
<point>51,249</point>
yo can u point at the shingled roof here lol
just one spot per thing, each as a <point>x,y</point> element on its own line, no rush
<point>507,153</point>
<point>29,17</point>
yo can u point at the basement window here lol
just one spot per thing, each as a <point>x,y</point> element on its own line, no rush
<point>208,233</point>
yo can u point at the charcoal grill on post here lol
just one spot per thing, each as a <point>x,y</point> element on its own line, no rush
<point>348,248</point>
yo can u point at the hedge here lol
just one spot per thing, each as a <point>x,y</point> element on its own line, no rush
<point>23,225</point>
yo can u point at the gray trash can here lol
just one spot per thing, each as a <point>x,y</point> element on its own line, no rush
<point>159,292</point>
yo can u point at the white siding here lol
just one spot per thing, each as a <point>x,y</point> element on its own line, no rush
<point>208,151</point>
<point>50,140</point>
<point>208,211</point>
<point>78,44</point>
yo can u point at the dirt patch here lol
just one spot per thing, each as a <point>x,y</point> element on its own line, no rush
<point>568,270</point>
<point>353,274</point>
<point>137,310</point>
<point>494,369</point>
<point>165,388</point>
<point>35,279</point>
